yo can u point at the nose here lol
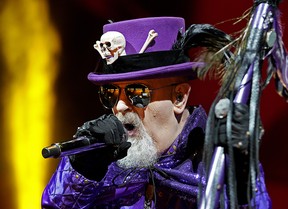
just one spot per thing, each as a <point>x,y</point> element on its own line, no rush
<point>123,104</point>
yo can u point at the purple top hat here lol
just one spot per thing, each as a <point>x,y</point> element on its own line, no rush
<point>142,49</point>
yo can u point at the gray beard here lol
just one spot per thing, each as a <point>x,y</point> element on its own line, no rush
<point>143,152</point>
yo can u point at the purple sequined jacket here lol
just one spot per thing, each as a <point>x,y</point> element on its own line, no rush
<point>175,177</point>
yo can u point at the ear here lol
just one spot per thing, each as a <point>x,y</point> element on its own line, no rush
<point>180,97</point>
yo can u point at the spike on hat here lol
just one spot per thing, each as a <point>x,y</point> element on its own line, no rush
<point>142,49</point>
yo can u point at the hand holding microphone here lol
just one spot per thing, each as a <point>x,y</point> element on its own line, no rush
<point>105,131</point>
<point>108,130</point>
<point>96,144</point>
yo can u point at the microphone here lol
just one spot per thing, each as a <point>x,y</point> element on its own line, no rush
<point>70,147</point>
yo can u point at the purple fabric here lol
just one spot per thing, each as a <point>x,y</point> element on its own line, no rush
<point>184,69</point>
<point>175,182</point>
<point>136,31</point>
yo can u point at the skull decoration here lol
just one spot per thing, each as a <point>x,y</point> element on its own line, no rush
<point>111,46</point>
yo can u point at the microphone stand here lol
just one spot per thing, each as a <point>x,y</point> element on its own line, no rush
<point>260,22</point>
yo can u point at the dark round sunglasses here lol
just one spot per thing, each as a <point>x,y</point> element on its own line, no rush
<point>138,94</point>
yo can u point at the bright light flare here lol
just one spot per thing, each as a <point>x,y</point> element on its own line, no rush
<point>30,46</point>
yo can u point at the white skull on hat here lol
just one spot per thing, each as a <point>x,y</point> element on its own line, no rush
<point>111,46</point>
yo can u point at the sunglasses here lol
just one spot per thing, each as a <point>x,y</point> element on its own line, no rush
<point>138,94</point>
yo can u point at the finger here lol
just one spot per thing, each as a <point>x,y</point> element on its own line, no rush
<point>119,126</point>
<point>121,152</point>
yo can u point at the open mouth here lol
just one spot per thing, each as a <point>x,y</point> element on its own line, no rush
<point>129,127</point>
